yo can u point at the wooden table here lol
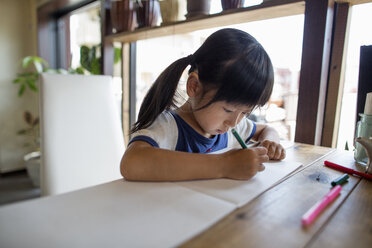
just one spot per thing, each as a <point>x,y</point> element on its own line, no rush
<point>273,218</point>
<point>95,217</point>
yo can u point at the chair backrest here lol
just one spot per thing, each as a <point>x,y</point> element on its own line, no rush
<point>81,136</point>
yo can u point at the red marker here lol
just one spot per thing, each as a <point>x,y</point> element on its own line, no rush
<point>347,170</point>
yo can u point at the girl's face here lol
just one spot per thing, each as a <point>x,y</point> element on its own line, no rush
<point>218,117</point>
<point>215,119</point>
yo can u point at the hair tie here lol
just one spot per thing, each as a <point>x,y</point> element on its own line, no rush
<point>191,59</point>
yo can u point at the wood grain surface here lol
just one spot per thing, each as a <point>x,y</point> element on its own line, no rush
<point>351,226</point>
<point>274,218</point>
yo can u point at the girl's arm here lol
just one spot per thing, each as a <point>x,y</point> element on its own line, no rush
<point>142,162</point>
<point>269,138</point>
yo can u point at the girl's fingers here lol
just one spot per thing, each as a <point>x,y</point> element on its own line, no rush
<point>283,154</point>
<point>274,150</point>
<point>278,153</point>
<point>263,158</point>
<point>269,146</point>
<point>271,151</point>
<point>262,154</point>
<point>261,167</point>
<point>260,150</point>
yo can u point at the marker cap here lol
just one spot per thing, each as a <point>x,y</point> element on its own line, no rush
<point>340,180</point>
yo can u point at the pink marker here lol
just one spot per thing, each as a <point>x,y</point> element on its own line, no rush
<point>315,210</point>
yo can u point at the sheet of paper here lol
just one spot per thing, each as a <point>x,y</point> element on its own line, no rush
<point>117,214</point>
<point>287,144</point>
<point>131,214</point>
<point>241,192</point>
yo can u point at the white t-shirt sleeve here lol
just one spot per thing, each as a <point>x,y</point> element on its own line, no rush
<point>246,129</point>
<point>163,133</point>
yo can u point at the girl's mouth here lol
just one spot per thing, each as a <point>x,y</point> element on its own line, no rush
<point>219,131</point>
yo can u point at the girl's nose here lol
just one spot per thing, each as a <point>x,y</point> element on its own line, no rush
<point>233,121</point>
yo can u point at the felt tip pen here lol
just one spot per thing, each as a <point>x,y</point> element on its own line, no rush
<point>238,138</point>
<point>340,180</point>
<point>315,210</point>
<point>253,144</point>
<point>347,170</point>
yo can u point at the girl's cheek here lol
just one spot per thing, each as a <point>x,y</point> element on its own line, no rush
<point>240,119</point>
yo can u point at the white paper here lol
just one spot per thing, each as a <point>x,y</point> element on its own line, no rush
<point>117,214</point>
<point>241,192</point>
<point>132,214</point>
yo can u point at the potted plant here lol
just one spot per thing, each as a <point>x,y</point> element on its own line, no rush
<point>28,80</point>
<point>32,159</point>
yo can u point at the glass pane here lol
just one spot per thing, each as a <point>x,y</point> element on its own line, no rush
<point>359,35</point>
<point>85,29</point>
<point>282,39</point>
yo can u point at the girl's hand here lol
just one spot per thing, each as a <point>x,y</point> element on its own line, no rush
<point>243,164</point>
<point>275,151</point>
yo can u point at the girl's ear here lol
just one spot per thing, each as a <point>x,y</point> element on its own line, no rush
<point>193,85</point>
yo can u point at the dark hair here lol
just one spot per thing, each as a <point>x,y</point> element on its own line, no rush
<point>230,61</point>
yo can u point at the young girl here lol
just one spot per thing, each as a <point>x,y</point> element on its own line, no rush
<point>230,75</point>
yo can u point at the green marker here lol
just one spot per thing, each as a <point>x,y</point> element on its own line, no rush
<point>341,180</point>
<point>239,139</point>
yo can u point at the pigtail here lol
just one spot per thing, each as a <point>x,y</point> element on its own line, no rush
<point>160,97</point>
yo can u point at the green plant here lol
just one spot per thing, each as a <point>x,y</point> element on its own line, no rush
<point>32,130</point>
<point>34,66</point>
<point>117,54</point>
<point>89,60</point>
<point>30,77</point>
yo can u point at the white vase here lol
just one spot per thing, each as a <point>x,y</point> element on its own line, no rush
<point>172,10</point>
<point>33,167</point>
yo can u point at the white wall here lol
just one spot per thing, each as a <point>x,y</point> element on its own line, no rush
<point>17,40</point>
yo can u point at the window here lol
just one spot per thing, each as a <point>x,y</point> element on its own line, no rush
<point>85,30</point>
<point>282,39</point>
<point>358,36</point>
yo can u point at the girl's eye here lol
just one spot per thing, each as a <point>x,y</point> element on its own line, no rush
<point>227,110</point>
